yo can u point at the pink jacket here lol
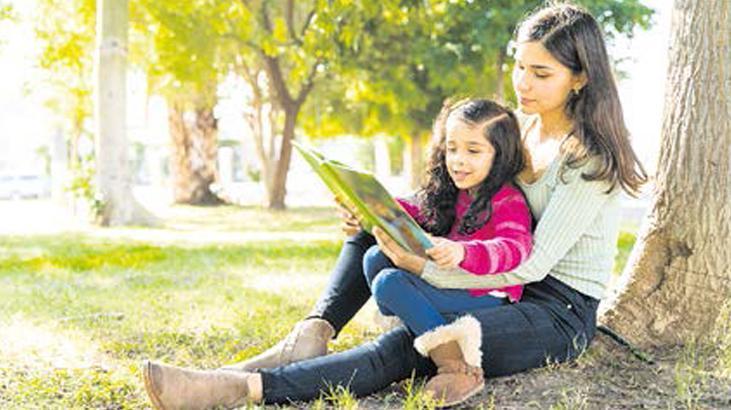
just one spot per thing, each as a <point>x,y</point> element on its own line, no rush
<point>502,244</point>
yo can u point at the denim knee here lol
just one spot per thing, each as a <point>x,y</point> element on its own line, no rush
<point>373,262</point>
<point>389,285</point>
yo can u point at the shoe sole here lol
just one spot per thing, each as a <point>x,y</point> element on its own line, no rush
<point>147,376</point>
<point>467,397</point>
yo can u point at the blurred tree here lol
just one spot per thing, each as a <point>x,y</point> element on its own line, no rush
<point>65,30</point>
<point>679,273</point>
<point>118,205</point>
<point>6,11</point>
<point>178,47</point>
<point>284,48</point>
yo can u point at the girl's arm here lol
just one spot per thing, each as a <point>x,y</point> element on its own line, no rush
<point>409,205</point>
<point>512,242</point>
<point>571,208</point>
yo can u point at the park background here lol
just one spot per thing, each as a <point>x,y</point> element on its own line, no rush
<point>199,282</point>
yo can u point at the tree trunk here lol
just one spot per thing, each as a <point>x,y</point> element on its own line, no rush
<point>194,153</point>
<point>277,190</point>
<point>680,273</point>
<point>118,206</point>
<point>415,158</point>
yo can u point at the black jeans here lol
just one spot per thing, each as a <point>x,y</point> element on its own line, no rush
<point>552,323</point>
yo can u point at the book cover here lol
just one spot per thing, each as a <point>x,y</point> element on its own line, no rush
<point>366,198</point>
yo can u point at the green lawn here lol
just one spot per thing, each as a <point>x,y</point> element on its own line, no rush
<point>79,311</point>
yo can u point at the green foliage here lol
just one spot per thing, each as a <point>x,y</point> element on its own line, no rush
<point>82,186</point>
<point>65,31</point>
<point>178,46</point>
<point>6,11</point>
<point>409,56</point>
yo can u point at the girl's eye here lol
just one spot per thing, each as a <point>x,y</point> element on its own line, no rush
<point>451,149</point>
<point>541,75</point>
<point>474,151</point>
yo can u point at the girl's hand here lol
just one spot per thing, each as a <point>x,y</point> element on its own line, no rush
<point>399,256</point>
<point>446,253</point>
<point>349,225</point>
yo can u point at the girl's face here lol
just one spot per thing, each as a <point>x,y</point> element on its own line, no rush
<point>469,155</point>
<point>542,84</point>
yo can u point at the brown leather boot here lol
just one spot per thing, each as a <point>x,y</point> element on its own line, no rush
<point>308,339</point>
<point>455,349</point>
<point>171,387</point>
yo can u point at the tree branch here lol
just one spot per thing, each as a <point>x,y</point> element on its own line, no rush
<point>246,5</point>
<point>274,71</point>
<point>265,17</point>
<point>289,19</point>
<point>308,84</point>
<point>308,20</point>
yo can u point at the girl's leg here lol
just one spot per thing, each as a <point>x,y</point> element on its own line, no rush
<point>374,262</point>
<point>454,347</point>
<point>363,370</point>
<point>347,290</point>
<point>418,304</point>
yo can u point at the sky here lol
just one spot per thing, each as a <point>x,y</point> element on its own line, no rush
<point>25,124</point>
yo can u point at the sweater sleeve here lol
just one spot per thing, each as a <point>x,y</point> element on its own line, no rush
<point>570,210</point>
<point>512,240</point>
<point>411,208</point>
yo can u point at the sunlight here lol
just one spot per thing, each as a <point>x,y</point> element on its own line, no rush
<point>27,345</point>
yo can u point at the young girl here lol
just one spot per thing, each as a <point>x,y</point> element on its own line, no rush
<point>481,223</point>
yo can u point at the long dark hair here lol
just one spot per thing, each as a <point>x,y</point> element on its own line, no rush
<point>574,38</point>
<point>438,196</point>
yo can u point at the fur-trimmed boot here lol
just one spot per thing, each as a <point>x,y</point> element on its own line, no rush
<point>308,339</point>
<point>455,349</point>
<point>173,388</point>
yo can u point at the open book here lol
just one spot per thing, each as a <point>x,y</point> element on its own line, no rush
<point>366,198</point>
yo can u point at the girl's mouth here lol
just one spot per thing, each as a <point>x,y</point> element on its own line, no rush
<point>459,175</point>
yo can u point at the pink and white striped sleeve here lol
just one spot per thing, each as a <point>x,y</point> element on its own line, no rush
<point>512,241</point>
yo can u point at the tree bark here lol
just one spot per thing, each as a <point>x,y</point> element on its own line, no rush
<point>283,100</point>
<point>679,274</point>
<point>118,205</point>
<point>415,158</point>
<point>276,188</point>
<point>194,154</point>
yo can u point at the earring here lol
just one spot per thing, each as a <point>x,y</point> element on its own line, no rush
<point>576,91</point>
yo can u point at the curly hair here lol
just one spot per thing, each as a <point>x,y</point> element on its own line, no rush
<point>438,195</point>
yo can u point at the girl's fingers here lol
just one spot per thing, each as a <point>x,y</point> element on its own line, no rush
<point>437,252</point>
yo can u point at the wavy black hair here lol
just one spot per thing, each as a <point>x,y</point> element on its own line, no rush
<point>574,38</point>
<point>438,195</point>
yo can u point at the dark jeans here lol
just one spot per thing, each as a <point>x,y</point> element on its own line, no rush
<point>552,323</point>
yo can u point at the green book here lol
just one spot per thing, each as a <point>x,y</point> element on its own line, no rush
<point>366,198</point>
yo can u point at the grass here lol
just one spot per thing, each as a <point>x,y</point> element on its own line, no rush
<point>80,310</point>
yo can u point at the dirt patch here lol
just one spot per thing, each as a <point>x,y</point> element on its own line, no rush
<point>607,376</point>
